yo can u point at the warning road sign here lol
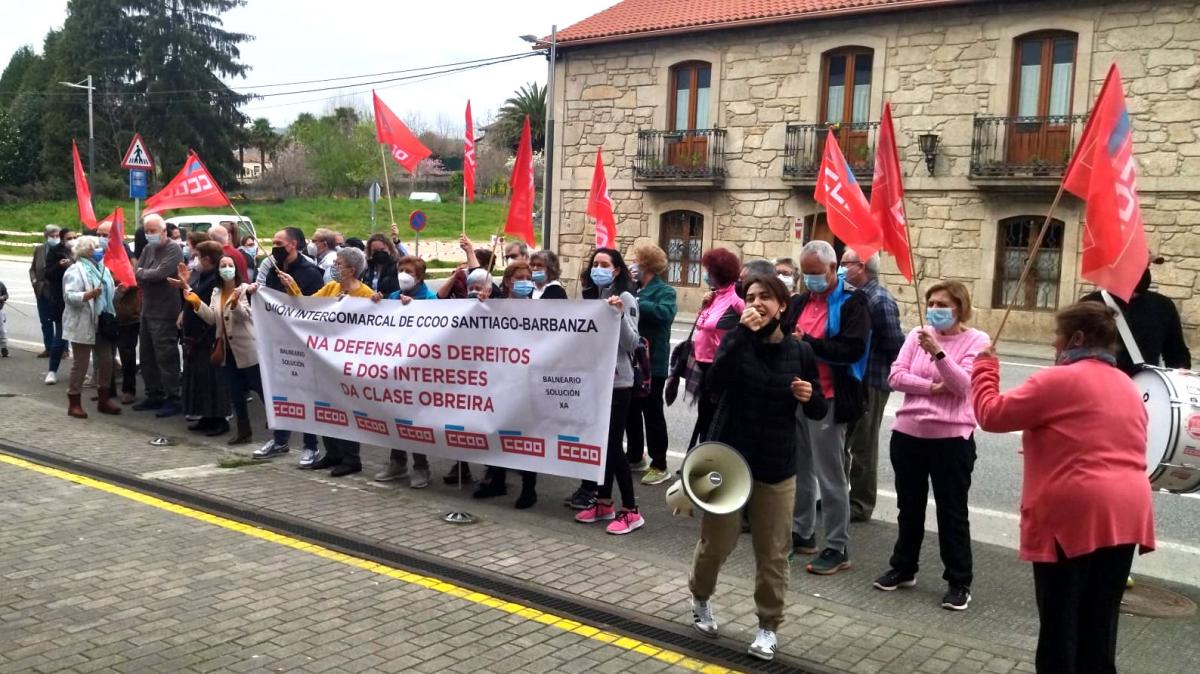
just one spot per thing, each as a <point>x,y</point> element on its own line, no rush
<point>137,157</point>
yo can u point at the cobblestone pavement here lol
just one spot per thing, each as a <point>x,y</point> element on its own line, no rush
<point>838,622</point>
<point>93,581</point>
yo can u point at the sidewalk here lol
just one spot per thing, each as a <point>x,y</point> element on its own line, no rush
<point>838,622</point>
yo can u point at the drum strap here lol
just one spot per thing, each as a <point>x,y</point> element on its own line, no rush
<point>1123,328</point>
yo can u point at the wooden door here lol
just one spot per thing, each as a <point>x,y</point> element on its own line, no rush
<point>690,91</point>
<point>846,103</point>
<point>1039,132</point>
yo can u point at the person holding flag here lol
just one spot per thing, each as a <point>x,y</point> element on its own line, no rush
<point>128,302</point>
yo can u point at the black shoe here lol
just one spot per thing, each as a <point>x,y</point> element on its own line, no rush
<point>895,579</point>
<point>581,499</point>
<point>149,404</point>
<point>170,408</point>
<point>343,469</point>
<point>3,353</point>
<point>201,425</point>
<point>490,489</point>
<point>220,427</point>
<point>526,500</point>
<point>956,598</point>
<point>324,462</point>
<point>829,562</point>
<point>453,477</point>
<point>804,546</point>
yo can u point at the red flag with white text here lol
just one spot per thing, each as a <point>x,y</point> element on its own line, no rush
<point>192,187</point>
<point>847,212</point>
<point>116,258</point>
<point>887,196</point>
<point>83,194</point>
<point>1102,172</point>
<point>600,206</point>
<point>520,203</point>
<point>406,149</point>
<point>469,158</point>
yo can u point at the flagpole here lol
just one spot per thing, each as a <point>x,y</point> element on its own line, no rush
<point>464,210</point>
<point>912,266</point>
<point>1037,244</point>
<point>387,181</point>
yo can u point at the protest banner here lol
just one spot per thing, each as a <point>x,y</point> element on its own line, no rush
<point>513,383</point>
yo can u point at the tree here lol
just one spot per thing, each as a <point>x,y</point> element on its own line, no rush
<point>263,137</point>
<point>528,100</point>
<point>341,149</point>
<point>14,74</point>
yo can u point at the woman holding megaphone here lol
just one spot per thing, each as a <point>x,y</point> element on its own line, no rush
<point>760,375</point>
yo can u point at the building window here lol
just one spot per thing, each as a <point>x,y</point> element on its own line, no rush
<point>816,228</point>
<point>681,235</point>
<point>691,85</point>
<point>1043,75</point>
<point>846,86</point>
<point>1015,238</point>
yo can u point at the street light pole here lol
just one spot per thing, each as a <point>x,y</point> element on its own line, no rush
<point>87,84</point>
<point>548,151</point>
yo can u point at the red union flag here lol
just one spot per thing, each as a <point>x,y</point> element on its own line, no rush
<point>469,158</point>
<point>116,258</point>
<point>83,194</point>
<point>406,149</point>
<point>847,211</point>
<point>520,204</point>
<point>887,196</point>
<point>600,206</point>
<point>192,187</point>
<point>1102,173</point>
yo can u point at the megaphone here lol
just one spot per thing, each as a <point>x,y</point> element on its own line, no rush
<point>714,478</point>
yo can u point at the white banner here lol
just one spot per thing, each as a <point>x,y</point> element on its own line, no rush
<point>515,383</point>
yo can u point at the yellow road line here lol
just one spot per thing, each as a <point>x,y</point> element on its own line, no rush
<point>428,582</point>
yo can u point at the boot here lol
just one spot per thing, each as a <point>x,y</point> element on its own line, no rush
<point>74,408</point>
<point>106,405</point>
<point>219,427</point>
<point>243,432</point>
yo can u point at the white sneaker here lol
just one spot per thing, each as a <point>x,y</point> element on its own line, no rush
<point>270,449</point>
<point>764,645</point>
<point>703,619</point>
<point>420,478</point>
<point>51,378</point>
<point>308,457</point>
<point>392,472</point>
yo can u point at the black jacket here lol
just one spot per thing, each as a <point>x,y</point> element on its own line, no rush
<point>308,276</point>
<point>1154,322</point>
<point>839,352</point>
<point>756,414</point>
<point>54,278</point>
<point>389,281</point>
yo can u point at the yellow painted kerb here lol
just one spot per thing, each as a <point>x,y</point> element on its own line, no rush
<point>435,584</point>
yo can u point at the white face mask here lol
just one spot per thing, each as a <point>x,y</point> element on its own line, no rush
<point>407,280</point>
<point>312,250</point>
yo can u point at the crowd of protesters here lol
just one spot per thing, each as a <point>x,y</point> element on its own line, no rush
<point>790,362</point>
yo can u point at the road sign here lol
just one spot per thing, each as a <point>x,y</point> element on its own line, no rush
<point>137,184</point>
<point>137,157</point>
<point>373,192</point>
<point>416,220</point>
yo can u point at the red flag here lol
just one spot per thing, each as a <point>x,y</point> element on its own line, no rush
<point>406,149</point>
<point>192,187</point>
<point>1102,173</point>
<point>847,211</point>
<point>520,203</point>
<point>83,194</point>
<point>116,258</point>
<point>469,158</point>
<point>600,206</point>
<point>887,196</point>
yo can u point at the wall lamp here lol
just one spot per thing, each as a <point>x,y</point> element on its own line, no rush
<point>929,143</point>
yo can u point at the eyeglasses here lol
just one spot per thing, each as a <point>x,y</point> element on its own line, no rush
<point>511,257</point>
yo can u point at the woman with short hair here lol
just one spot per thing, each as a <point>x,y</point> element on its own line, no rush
<point>721,270</point>
<point>88,291</point>
<point>205,388</point>
<point>381,265</point>
<point>547,270</point>
<point>656,314</point>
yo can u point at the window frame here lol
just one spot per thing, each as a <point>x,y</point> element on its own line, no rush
<point>1047,38</point>
<point>682,218</point>
<point>851,53</point>
<point>1029,293</point>
<point>693,69</point>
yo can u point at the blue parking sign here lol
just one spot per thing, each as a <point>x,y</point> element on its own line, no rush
<point>137,184</point>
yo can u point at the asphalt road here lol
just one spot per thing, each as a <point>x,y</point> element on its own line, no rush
<point>995,492</point>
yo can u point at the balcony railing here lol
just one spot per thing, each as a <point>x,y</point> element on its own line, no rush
<point>805,146</point>
<point>683,156</point>
<point>1024,147</point>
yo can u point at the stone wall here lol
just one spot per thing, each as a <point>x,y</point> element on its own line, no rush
<point>938,68</point>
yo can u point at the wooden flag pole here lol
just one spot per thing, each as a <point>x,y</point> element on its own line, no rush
<point>387,181</point>
<point>1037,244</point>
<point>464,210</point>
<point>916,281</point>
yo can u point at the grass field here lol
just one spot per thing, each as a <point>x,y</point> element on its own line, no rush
<point>352,217</point>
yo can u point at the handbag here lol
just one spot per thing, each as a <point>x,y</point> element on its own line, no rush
<point>107,326</point>
<point>217,356</point>
<point>681,365</point>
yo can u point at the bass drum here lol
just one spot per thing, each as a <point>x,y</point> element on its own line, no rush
<point>1172,399</point>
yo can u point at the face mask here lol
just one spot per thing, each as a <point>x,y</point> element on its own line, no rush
<point>249,250</point>
<point>380,258</point>
<point>817,283</point>
<point>187,252</point>
<point>51,240</point>
<point>407,281</point>
<point>97,255</point>
<point>841,272</point>
<point>739,290</point>
<point>153,239</point>
<point>539,277</point>
<point>103,244</point>
<point>227,273</point>
<point>767,329</point>
<point>523,288</point>
<point>941,318</point>
<point>602,276</point>
<point>312,250</point>
<point>280,254</point>
<point>788,280</point>
<point>472,294</point>
<point>636,272</point>
<point>708,281</point>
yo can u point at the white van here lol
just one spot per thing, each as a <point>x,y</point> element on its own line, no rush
<point>201,223</point>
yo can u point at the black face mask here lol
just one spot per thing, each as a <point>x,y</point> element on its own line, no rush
<point>737,288</point>
<point>767,329</point>
<point>380,258</point>
<point>280,254</point>
<point>1143,283</point>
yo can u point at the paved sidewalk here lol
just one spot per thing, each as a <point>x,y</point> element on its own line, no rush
<point>838,622</point>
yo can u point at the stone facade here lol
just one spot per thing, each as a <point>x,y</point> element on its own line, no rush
<point>939,69</point>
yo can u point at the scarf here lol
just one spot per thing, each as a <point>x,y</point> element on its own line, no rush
<point>1076,354</point>
<point>99,278</point>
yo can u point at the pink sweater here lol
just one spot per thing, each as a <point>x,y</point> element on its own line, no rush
<point>708,336</point>
<point>948,413</point>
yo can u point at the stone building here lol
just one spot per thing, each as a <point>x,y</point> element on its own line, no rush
<point>712,119</point>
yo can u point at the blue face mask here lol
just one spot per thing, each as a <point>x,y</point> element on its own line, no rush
<point>187,252</point>
<point>153,239</point>
<point>97,255</point>
<point>817,283</point>
<point>602,276</point>
<point>708,281</point>
<point>103,244</point>
<point>539,277</point>
<point>522,288</point>
<point>941,318</point>
<point>51,240</point>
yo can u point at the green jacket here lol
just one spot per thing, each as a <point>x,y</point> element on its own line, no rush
<point>656,304</point>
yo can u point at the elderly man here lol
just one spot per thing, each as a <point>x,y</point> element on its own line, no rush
<point>322,248</point>
<point>158,337</point>
<point>833,319</point>
<point>516,251</point>
<point>37,278</point>
<point>886,339</point>
<point>221,235</point>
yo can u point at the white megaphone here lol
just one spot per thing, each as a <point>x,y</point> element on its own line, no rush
<point>713,478</point>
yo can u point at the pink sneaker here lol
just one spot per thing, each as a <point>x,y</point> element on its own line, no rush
<point>596,513</point>
<point>627,521</point>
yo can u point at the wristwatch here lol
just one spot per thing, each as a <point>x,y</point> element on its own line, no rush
<point>939,355</point>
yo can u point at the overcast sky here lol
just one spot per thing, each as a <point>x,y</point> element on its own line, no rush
<point>315,39</point>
